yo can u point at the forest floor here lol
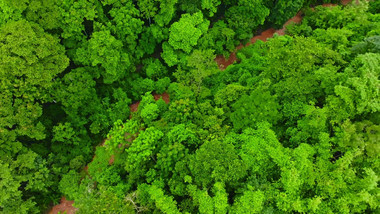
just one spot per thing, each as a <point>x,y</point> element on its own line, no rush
<point>223,63</point>
<point>64,206</point>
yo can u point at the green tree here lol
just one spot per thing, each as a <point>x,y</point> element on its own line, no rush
<point>219,38</point>
<point>73,14</point>
<point>31,60</point>
<point>201,65</point>
<point>245,17</point>
<point>141,155</point>
<point>359,94</point>
<point>95,199</point>
<point>370,44</point>
<point>211,6</point>
<point>148,8</point>
<point>154,194</point>
<point>229,94</point>
<point>216,162</point>
<point>259,106</point>
<point>69,184</point>
<point>24,183</point>
<point>122,134</point>
<point>281,11</point>
<point>126,25</point>
<point>149,112</point>
<point>250,202</point>
<point>184,35</point>
<point>9,11</point>
<point>166,13</point>
<point>154,69</point>
<point>106,51</point>
<point>44,13</point>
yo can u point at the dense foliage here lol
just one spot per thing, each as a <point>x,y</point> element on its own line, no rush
<point>293,127</point>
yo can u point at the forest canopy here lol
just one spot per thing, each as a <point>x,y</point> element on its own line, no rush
<point>121,107</point>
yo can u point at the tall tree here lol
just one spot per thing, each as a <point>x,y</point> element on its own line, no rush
<point>106,51</point>
<point>184,35</point>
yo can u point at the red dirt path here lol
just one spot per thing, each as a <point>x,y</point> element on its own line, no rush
<point>135,106</point>
<point>65,205</point>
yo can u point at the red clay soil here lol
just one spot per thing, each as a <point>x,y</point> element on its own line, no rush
<point>65,205</point>
<point>224,63</point>
<point>135,106</point>
<point>111,160</point>
<point>165,96</point>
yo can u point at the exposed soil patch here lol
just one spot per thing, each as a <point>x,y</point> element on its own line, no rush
<point>65,205</point>
<point>135,106</point>
<point>112,159</point>
<point>223,63</point>
<point>165,96</point>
